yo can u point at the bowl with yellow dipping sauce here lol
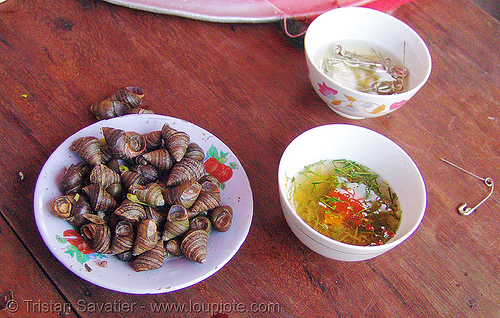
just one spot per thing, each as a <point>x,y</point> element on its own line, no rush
<point>365,63</point>
<point>350,193</point>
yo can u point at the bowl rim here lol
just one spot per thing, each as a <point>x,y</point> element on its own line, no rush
<point>326,241</point>
<point>404,95</point>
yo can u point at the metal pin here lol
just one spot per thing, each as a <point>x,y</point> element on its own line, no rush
<point>463,209</point>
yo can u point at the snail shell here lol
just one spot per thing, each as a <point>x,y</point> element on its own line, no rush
<point>177,213</point>
<point>175,141</point>
<point>153,140</point>
<point>184,194</point>
<point>194,151</point>
<point>97,236</point>
<point>124,237</point>
<point>107,154</point>
<point>167,131</point>
<point>151,259</point>
<point>131,96</point>
<point>112,163</point>
<point>184,170</point>
<point>109,108</point>
<point>221,218</point>
<point>209,178</point>
<point>100,199</point>
<point>194,245</point>
<point>124,144</point>
<point>200,222</point>
<point>148,172</point>
<point>149,194</point>
<point>177,145</point>
<point>160,158</point>
<point>154,214</point>
<point>147,236</point>
<point>80,208</point>
<point>74,178</point>
<point>62,206</point>
<point>130,211</point>
<point>104,176</point>
<point>208,199</point>
<point>94,218</point>
<point>173,246</point>
<point>115,190</point>
<point>130,178</point>
<point>88,149</point>
<point>172,229</point>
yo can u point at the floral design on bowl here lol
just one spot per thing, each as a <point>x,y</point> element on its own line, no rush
<point>215,165</point>
<point>79,249</point>
<point>350,104</point>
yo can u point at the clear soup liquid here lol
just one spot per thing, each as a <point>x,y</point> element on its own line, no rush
<point>364,67</point>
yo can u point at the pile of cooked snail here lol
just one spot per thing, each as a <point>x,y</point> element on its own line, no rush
<point>126,100</point>
<point>142,196</point>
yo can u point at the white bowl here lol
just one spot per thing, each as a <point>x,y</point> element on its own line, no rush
<point>385,33</point>
<point>366,147</point>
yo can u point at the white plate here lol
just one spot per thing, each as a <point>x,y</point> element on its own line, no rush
<point>176,273</point>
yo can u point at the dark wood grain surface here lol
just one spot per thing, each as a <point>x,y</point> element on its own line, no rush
<point>248,85</point>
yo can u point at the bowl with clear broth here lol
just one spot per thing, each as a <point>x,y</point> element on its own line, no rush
<point>365,63</point>
<point>365,147</point>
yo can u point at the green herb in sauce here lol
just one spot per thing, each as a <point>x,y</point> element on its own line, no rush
<point>347,202</point>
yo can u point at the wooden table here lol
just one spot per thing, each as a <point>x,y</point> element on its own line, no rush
<point>247,84</point>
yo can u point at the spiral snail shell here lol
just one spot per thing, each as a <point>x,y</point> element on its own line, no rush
<point>130,178</point>
<point>155,214</point>
<point>100,199</point>
<point>124,238</point>
<point>104,176</point>
<point>200,222</point>
<point>88,149</point>
<point>146,237</point>
<point>175,141</point>
<point>208,199</point>
<point>159,158</point>
<point>149,194</point>
<point>74,178</point>
<point>124,144</point>
<point>109,108</point>
<point>184,194</point>
<point>131,95</point>
<point>221,218</point>
<point>173,246</point>
<point>130,211</point>
<point>80,208</point>
<point>177,213</point>
<point>194,245</point>
<point>177,223</point>
<point>97,235</point>
<point>121,102</point>
<point>184,170</point>
<point>147,171</point>
<point>151,259</point>
<point>153,140</point>
<point>194,151</point>
<point>62,206</point>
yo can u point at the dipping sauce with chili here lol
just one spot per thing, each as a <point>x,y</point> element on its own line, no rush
<point>347,202</point>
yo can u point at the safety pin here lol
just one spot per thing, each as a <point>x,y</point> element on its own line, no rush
<point>463,209</point>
